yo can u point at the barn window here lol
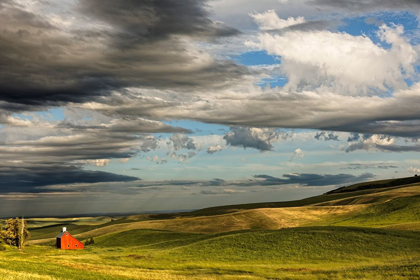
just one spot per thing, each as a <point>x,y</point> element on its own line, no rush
<point>76,245</point>
<point>68,246</point>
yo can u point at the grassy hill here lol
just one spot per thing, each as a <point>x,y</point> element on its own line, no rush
<point>377,184</point>
<point>293,253</point>
<point>292,245</point>
<point>358,233</point>
<point>339,193</point>
<point>349,208</point>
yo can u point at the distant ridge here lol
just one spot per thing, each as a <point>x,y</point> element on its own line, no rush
<point>377,185</point>
<point>339,193</point>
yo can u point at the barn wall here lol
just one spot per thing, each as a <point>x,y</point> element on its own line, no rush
<point>68,242</point>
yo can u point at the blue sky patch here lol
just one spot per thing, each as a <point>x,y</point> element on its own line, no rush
<point>256,58</point>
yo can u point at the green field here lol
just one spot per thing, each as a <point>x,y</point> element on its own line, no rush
<point>360,234</point>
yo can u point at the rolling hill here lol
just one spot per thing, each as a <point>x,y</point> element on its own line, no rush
<point>394,206</point>
<point>352,233</point>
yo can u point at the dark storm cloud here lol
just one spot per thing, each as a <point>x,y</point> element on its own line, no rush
<point>314,180</point>
<point>156,19</point>
<point>26,178</point>
<point>77,147</point>
<point>368,5</point>
<point>44,65</point>
<point>44,177</point>
<point>323,135</point>
<point>397,116</point>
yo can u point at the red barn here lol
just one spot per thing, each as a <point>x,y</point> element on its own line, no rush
<point>67,242</point>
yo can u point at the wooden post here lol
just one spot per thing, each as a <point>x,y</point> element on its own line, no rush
<point>21,234</point>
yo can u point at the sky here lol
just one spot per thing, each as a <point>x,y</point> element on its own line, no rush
<point>159,105</point>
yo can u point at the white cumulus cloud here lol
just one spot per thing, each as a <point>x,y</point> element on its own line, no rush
<point>214,149</point>
<point>269,20</point>
<point>413,170</point>
<point>338,60</point>
<point>98,162</point>
<point>298,153</point>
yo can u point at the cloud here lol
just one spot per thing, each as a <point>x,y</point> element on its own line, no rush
<point>251,137</point>
<point>98,162</point>
<point>326,136</point>
<point>43,179</point>
<point>124,160</point>
<point>398,148</point>
<point>156,19</point>
<point>414,170</point>
<point>298,153</point>
<point>221,192</point>
<point>181,141</point>
<point>182,158</point>
<point>154,159</point>
<point>367,6</point>
<point>77,147</point>
<point>354,137</point>
<point>24,177</point>
<point>361,166</point>
<point>314,180</point>
<point>395,115</point>
<point>269,20</point>
<point>319,59</point>
<point>209,192</point>
<point>137,126</point>
<point>214,149</point>
<point>382,143</point>
<point>372,142</point>
<point>109,47</point>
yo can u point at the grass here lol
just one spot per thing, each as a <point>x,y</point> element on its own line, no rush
<point>296,203</point>
<point>378,184</point>
<point>367,234</point>
<point>400,210</point>
<point>366,209</point>
<point>294,253</point>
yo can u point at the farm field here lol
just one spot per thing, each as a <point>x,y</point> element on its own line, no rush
<point>361,234</point>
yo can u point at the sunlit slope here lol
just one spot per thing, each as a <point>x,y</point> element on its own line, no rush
<point>42,228</point>
<point>305,245</point>
<point>290,253</point>
<point>286,245</point>
<point>389,183</point>
<point>394,212</point>
<point>397,208</point>
<point>343,192</point>
<point>386,208</point>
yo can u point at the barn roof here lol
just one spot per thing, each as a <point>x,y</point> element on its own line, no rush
<point>61,234</point>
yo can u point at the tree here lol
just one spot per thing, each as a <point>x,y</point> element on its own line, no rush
<point>15,233</point>
<point>89,241</point>
<point>2,247</point>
